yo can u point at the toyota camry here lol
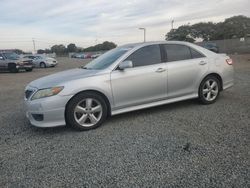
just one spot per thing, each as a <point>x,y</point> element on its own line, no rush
<point>128,78</point>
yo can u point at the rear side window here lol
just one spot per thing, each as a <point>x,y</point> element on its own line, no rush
<point>147,55</point>
<point>196,54</point>
<point>176,52</point>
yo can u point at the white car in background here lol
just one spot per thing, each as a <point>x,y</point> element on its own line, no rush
<point>42,61</point>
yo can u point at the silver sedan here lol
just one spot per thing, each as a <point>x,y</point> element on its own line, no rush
<point>42,61</point>
<point>127,78</point>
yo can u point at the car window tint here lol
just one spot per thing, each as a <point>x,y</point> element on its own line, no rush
<point>195,54</point>
<point>176,52</point>
<point>147,55</point>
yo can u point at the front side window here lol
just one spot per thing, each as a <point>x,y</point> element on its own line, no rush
<point>147,55</point>
<point>176,52</point>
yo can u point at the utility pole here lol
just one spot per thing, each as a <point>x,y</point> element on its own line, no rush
<point>34,45</point>
<point>172,24</point>
<point>144,30</point>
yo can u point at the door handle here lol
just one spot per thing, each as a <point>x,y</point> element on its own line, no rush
<point>202,63</point>
<point>160,70</point>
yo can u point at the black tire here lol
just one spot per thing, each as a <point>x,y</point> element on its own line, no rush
<point>28,70</point>
<point>12,67</point>
<point>14,70</point>
<point>42,65</point>
<point>70,110</point>
<point>202,98</point>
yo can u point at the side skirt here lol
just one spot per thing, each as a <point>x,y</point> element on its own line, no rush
<point>152,104</point>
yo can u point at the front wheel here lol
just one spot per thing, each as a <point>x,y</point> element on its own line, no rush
<point>209,90</point>
<point>42,65</point>
<point>86,111</point>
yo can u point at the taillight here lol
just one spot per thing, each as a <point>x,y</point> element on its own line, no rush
<point>229,61</point>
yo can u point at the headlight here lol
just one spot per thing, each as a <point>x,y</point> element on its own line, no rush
<point>41,93</point>
<point>20,63</point>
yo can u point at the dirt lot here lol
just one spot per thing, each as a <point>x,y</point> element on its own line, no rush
<point>178,145</point>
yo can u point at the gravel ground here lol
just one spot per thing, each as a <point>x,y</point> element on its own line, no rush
<point>177,145</point>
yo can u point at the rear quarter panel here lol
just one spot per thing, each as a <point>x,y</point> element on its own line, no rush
<point>220,66</point>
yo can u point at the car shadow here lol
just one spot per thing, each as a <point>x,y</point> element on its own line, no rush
<point>157,109</point>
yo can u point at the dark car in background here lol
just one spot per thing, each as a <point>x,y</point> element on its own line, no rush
<point>211,46</point>
<point>10,61</point>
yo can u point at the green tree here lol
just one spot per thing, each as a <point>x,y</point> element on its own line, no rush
<point>183,33</point>
<point>40,51</point>
<point>204,30</point>
<point>59,49</point>
<point>71,47</point>
<point>18,51</point>
<point>234,27</point>
<point>101,47</point>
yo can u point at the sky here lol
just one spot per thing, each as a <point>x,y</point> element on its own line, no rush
<point>86,23</point>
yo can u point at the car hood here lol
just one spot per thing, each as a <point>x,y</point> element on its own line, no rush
<point>58,79</point>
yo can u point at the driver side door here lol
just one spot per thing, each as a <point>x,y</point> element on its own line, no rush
<point>145,82</point>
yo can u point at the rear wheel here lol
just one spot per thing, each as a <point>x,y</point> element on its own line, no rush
<point>42,65</point>
<point>86,111</point>
<point>209,90</point>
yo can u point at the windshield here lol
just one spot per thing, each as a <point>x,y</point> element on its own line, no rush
<point>11,55</point>
<point>106,59</point>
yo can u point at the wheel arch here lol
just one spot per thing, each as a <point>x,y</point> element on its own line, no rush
<point>42,62</point>
<point>215,75</point>
<point>96,92</point>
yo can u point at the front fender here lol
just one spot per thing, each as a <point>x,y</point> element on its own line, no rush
<point>99,83</point>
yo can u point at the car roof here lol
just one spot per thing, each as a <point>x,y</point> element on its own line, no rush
<point>154,42</point>
<point>192,45</point>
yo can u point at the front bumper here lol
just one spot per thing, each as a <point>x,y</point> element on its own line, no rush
<point>51,109</point>
<point>30,66</point>
<point>51,64</point>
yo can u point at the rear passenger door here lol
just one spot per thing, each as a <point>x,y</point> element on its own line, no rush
<point>185,68</point>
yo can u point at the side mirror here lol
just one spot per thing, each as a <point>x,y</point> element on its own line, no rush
<point>125,64</point>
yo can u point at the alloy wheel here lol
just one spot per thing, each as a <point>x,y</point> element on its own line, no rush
<point>210,90</point>
<point>88,112</point>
